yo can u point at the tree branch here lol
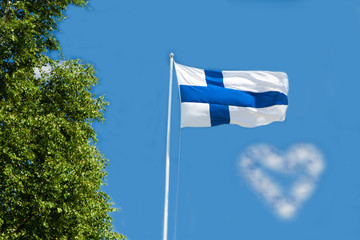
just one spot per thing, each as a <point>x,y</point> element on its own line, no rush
<point>7,8</point>
<point>23,222</point>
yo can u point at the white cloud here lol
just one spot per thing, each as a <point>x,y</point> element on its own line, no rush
<point>305,160</point>
<point>44,69</point>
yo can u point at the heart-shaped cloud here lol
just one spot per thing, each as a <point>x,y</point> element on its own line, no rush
<point>302,160</point>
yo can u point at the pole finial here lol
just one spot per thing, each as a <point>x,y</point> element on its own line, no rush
<point>171,55</point>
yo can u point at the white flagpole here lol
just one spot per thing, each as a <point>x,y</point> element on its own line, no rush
<point>167,176</point>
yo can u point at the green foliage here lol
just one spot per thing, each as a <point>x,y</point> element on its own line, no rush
<point>50,169</point>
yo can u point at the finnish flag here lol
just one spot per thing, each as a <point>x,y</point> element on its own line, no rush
<point>245,98</point>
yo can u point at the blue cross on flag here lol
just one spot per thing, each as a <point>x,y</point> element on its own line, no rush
<point>245,98</point>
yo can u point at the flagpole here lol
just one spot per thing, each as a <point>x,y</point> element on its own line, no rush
<point>167,175</point>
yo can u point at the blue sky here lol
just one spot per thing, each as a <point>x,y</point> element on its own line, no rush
<point>316,42</point>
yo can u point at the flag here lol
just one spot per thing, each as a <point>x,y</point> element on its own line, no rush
<point>245,98</point>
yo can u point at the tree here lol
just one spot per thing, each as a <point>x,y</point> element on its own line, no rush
<point>51,171</point>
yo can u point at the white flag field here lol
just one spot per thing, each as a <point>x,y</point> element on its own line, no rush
<point>245,98</point>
